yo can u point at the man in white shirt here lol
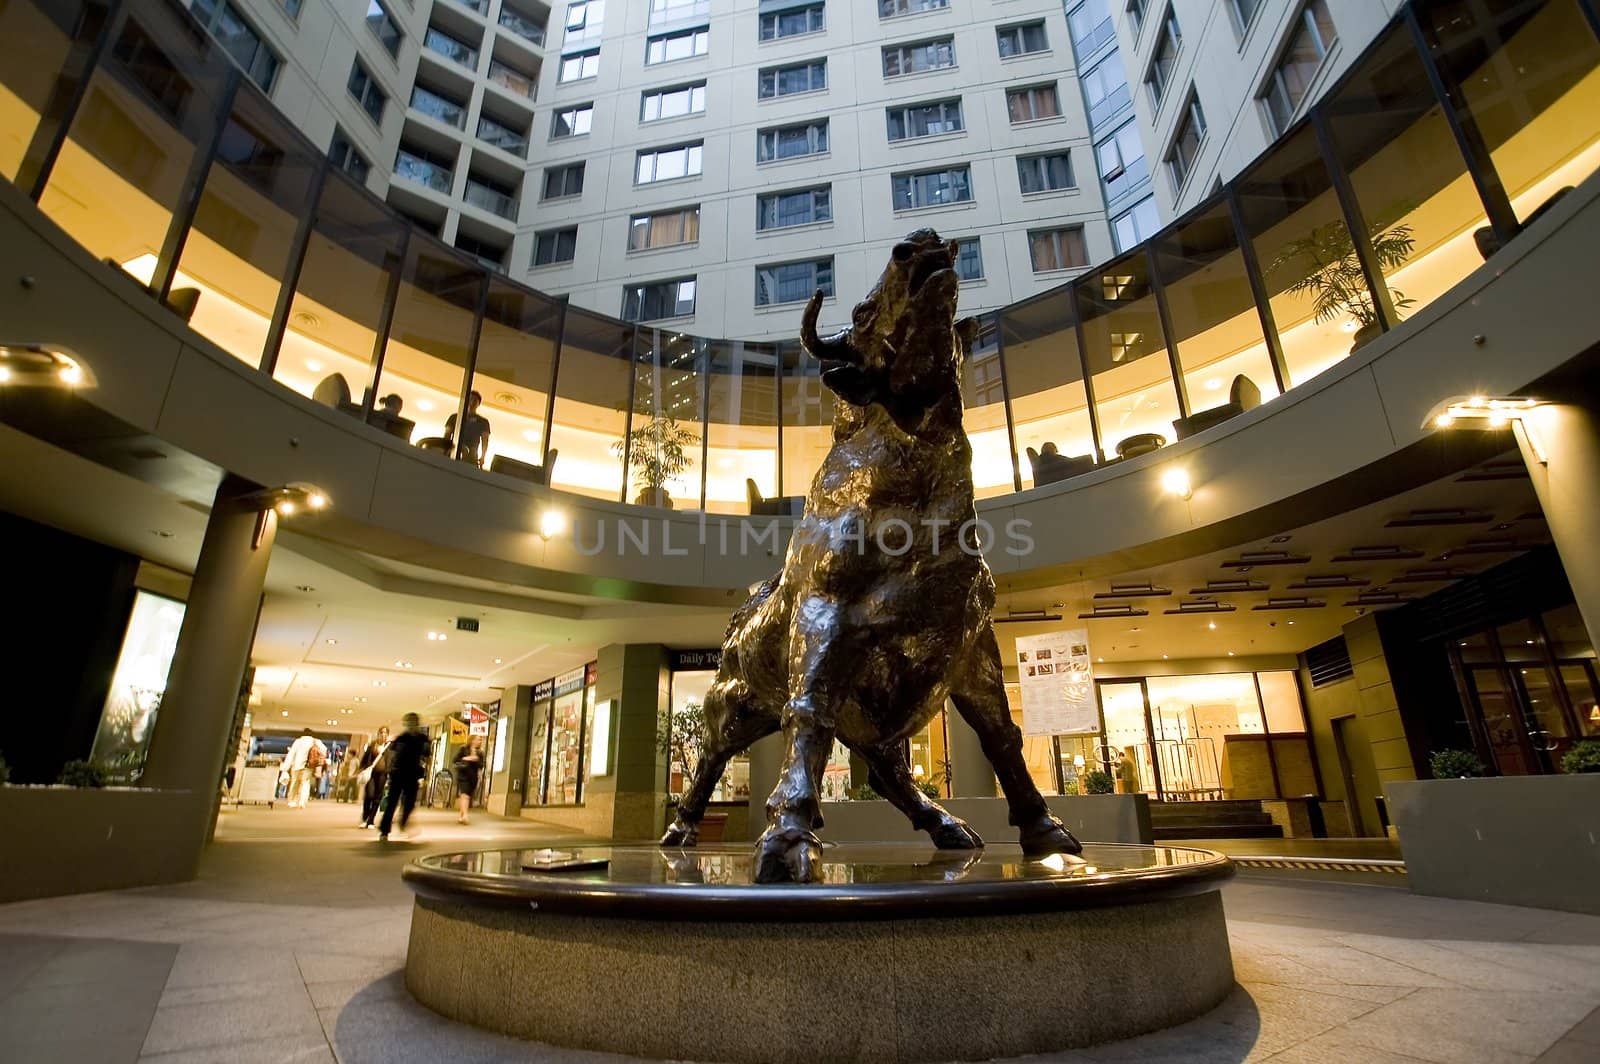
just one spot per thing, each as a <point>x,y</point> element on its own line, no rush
<point>301,763</point>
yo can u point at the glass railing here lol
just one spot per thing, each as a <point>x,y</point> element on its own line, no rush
<point>1381,200</point>
<point>513,81</point>
<point>491,200</point>
<point>423,172</point>
<point>507,140</point>
<point>522,26</point>
<point>457,52</point>
<point>431,103</point>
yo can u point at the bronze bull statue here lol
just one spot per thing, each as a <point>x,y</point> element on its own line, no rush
<point>883,607</point>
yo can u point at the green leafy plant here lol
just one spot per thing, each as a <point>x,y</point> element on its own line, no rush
<point>930,788</point>
<point>1330,272</point>
<point>1454,764</point>
<point>1583,757</point>
<point>82,774</point>
<point>681,735</point>
<point>863,793</point>
<point>657,451</point>
<point>1098,781</point>
<point>5,772</point>
<point>1069,788</point>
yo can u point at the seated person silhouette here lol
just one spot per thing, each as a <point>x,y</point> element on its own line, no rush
<point>474,438</point>
<point>1052,465</point>
<point>387,417</point>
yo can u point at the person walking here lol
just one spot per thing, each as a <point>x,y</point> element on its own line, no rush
<point>374,776</point>
<point>408,762</point>
<point>1127,772</point>
<point>469,766</point>
<point>306,754</point>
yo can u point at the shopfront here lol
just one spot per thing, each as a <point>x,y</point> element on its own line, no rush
<point>691,674</point>
<point>559,737</point>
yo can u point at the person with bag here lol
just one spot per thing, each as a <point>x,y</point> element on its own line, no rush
<point>469,766</point>
<point>408,763</point>
<point>373,777</point>
<point>305,755</point>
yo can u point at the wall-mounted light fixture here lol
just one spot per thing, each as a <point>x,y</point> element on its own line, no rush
<point>42,366</point>
<point>552,522</point>
<point>284,501</point>
<point>1175,481</point>
<point>1482,412</point>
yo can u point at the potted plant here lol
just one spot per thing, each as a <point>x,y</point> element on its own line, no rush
<point>1099,781</point>
<point>658,452</point>
<point>1583,757</point>
<point>680,737</point>
<point>1331,274</point>
<point>1454,764</point>
<point>81,774</point>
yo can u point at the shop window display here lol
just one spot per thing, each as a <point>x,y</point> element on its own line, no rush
<point>137,685</point>
<point>682,740</point>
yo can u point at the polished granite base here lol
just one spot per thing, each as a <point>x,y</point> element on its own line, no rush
<point>903,953</point>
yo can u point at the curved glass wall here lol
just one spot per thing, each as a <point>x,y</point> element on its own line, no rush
<point>137,135</point>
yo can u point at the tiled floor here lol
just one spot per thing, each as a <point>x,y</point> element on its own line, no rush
<point>289,948</point>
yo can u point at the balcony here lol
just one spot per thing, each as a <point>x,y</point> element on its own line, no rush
<point>413,167</point>
<point>431,103</point>
<point>507,140</point>
<point>522,25</point>
<point>492,200</point>
<point>513,81</point>
<point>441,43</point>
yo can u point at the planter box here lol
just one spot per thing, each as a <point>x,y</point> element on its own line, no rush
<point>1521,840</point>
<point>65,840</point>
<point>1091,817</point>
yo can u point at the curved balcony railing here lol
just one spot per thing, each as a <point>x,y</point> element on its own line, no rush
<point>145,143</point>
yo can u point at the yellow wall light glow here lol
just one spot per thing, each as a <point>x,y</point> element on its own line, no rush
<point>1176,481</point>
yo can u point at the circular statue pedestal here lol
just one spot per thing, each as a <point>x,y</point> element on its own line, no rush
<point>904,953</point>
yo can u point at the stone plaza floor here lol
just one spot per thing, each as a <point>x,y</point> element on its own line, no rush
<point>290,946</point>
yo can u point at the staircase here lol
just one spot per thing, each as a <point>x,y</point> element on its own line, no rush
<point>1232,819</point>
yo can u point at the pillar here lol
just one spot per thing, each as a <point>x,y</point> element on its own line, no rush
<point>634,678</point>
<point>973,776</point>
<point>189,745</point>
<point>766,760</point>
<point>1560,443</point>
<point>505,786</point>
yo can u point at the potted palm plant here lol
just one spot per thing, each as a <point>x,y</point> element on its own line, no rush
<point>1330,272</point>
<point>657,451</point>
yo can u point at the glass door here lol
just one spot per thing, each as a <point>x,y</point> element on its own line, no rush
<point>1499,709</point>
<point>1127,753</point>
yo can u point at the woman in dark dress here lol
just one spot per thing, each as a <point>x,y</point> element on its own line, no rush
<point>373,776</point>
<point>469,765</point>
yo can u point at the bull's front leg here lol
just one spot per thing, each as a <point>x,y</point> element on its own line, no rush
<point>821,662</point>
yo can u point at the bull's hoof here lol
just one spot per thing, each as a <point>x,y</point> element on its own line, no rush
<point>1048,835</point>
<point>954,834</point>
<point>681,834</point>
<point>788,856</point>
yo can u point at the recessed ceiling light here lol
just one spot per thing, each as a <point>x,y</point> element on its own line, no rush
<point>424,404</point>
<point>286,712</point>
<point>442,637</point>
<point>313,365</point>
<point>307,588</point>
<point>1230,653</point>
<point>1213,384</point>
<point>332,721</point>
<point>380,683</point>
<point>1102,660</point>
<point>1291,624</point>
<point>1211,625</point>
<point>333,642</point>
<point>1163,657</point>
<point>163,533</point>
<point>433,635</point>
<point>497,661</point>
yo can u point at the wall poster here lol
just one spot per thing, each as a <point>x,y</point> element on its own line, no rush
<point>1057,683</point>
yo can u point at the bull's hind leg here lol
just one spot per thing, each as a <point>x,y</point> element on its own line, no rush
<point>733,722</point>
<point>891,777</point>
<point>979,693</point>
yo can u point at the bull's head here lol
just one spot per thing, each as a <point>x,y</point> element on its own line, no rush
<point>902,349</point>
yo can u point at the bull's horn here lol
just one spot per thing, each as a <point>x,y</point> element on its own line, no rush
<point>836,347</point>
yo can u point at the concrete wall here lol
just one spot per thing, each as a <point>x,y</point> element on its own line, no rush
<point>1323,705</point>
<point>60,840</point>
<point>1093,818</point>
<point>1379,711</point>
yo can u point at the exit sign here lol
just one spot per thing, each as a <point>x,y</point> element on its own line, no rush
<point>466,624</point>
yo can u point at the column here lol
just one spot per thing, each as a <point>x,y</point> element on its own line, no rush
<point>1560,443</point>
<point>766,760</point>
<point>505,786</point>
<point>634,678</point>
<point>189,745</point>
<point>973,776</point>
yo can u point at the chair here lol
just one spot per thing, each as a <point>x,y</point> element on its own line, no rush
<point>1050,468</point>
<point>395,425</point>
<point>534,474</point>
<point>1488,243</point>
<point>183,301</point>
<point>333,390</point>
<point>781,506</point>
<point>1242,396</point>
<point>437,444</point>
<point>1142,443</point>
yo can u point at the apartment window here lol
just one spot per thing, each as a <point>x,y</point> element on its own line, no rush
<point>664,164</point>
<point>675,10</point>
<point>240,40</point>
<point>1021,40</point>
<point>584,18</point>
<point>459,52</point>
<point>1121,160</point>
<point>434,169</point>
<point>932,188</point>
<point>491,255</point>
<point>344,155</point>
<point>776,25</point>
<point>1186,142</point>
<point>504,137</point>
<point>1166,58</point>
<point>579,65</point>
<point>1045,173</point>
<point>572,121</point>
<point>365,89</point>
<point>685,44</point>
<point>1291,78</point>
<point>809,76</point>
<point>778,210</point>
<point>379,22</point>
<point>925,119</point>
<point>290,8</point>
<point>658,300</point>
<point>428,102</point>
<point>554,246</point>
<point>673,103</point>
<point>791,142</point>
<point>969,260</point>
<point>563,181</point>
<point>919,56</point>
<point>1137,223</point>
<point>1089,24</point>
<point>1136,16</point>
<point>664,229</point>
<point>1105,89</point>
<point>1244,11</point>
<point>891,8</point>
<point>793,282</point>
<point>1032,104</point>
<point>1057,249</point>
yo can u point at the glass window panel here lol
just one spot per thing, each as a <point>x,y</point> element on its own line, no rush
<point>1127,356</point>
<point>46,46</point>
<point>1319,296</point>
<point>516,350</point>
<point>337,309</point>
<point>1280,697</point>
<point>125,164</point>
<point>1211,309</point>
<point>1049,405</point>
<point>1530,77</point>
<point>1519,641</point>
<point>1569,638</point>
<point>426,358</point>
<point>237,251</point>
<point>743,430</point>
<point>1580,686</point>
<point>1122,705</point>
<point>664,438</point>
<point>1409,178</point>
<point>688,696</point>
<point>807,418</point>
<point>1191,716</point>
<point>564,785</point>
<point>591,404</point>
<point>984,416</point>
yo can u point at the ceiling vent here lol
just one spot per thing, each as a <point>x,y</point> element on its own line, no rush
<point>1288,603</point>
<point>1329,662</point>
<point>1384,553</point>
<point>1145,589</point>
<point>1311,583</point>
<point>1266,557</point>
